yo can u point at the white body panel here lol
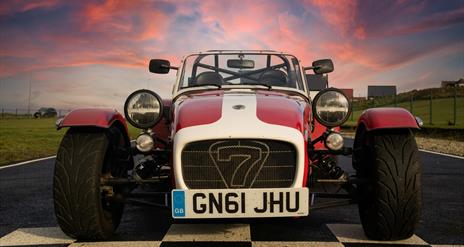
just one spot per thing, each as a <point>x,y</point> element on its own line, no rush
<point>238,124</point>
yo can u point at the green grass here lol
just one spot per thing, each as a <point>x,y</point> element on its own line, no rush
<point>25,139</point>
<point>442,112</point>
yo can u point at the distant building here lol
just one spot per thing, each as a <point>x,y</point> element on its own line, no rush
<point>380,91</point>
<point>452,83</point>
<point>348,92</point>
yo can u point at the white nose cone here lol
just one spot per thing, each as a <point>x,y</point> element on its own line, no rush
<point>334,141</point>
<point>145,143</point>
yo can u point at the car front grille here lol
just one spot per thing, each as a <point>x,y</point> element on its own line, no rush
<point>238,163</point>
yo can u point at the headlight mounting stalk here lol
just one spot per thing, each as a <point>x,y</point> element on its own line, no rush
<point>314,153</point>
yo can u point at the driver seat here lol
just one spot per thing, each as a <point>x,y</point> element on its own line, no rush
<point>274,78</point>
<point>209,77</point>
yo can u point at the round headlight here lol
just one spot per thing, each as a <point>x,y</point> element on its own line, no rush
<point>144,143</point>
<point>334,141</point>
<point>331,107</point>
<point>143,109</point>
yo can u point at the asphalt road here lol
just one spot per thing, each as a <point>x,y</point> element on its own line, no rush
<point>26,201</point>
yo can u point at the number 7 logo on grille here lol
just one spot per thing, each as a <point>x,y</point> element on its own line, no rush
<point>239,162</point>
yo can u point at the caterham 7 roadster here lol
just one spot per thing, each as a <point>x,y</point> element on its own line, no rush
<point>241,137</point>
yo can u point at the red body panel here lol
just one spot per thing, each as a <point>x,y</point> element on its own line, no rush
<point>278,109</point>
<point>102,118</point>
<point>386,118</point>
<point>198,109</point>
<point>319,129</point>
<point>162,128</point>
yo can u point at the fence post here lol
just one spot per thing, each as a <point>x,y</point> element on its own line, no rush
<point>3,113</point>
<point>352,110</point>
<point>410,103</point>
<point>16,114</point>
<point>430,107</point>
<point>455,102</point>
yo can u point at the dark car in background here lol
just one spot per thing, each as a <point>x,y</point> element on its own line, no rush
<point>45,112</point>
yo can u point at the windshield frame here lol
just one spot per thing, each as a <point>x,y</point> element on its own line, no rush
<point>290,60</point>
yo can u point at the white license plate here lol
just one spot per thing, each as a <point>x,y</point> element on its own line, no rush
<point>243,203</point>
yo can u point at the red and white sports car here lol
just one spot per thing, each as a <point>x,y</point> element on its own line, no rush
<point>242,136</point>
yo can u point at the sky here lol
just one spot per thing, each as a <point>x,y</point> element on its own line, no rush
<point>95,53</point>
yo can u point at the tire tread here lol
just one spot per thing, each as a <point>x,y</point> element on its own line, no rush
<point>390,209</point>
<point>76,178</point>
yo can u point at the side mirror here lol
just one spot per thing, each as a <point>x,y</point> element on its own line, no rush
<point>323,66</point>
<point>159,66</point>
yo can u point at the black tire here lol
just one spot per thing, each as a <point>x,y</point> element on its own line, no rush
<point>84,156</point>
<point>390,204</point>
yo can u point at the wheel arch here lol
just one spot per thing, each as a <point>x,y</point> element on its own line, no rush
<point>95,118</point>
<point>387,118</point>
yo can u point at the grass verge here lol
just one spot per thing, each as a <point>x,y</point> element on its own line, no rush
<point>26,139</point>
<point>442,112</point>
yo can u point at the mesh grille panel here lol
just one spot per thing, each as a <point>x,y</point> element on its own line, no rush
<point>242,163</point>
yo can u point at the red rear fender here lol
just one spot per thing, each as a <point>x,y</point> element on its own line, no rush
<point>92,117</point>
<point>387,118</point>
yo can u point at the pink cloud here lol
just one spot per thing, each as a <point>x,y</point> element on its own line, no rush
<point>116,17</point>
<point>39,4</point>
<point>15,6</point>
<point>126,34</point>
<point>341,15</point>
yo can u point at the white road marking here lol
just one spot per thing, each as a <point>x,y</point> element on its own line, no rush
<point>353,233</point>
<point>447,245</point>
<point>295,244</point>
<point>35,236</point>
<point>27,162</point>
<point>118,243</point>
<point>208,232</point>
<point>32,161</point>
<point>443,154</point>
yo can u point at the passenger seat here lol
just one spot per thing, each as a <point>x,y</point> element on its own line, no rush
<point>209,77</point>
<point>274,78</point>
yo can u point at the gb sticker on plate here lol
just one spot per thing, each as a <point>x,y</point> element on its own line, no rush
<point>178,203</point>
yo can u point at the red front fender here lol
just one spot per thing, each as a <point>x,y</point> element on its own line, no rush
<point>102,118</point>
<point>387,118</point>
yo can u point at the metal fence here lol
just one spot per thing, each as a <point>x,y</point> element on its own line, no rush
<point>435,106</point>
<point>18,113</point>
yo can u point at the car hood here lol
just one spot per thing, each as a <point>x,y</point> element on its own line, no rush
<point>240,106</point>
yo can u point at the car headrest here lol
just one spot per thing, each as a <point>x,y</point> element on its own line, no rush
<point>274,78</point>
<point>209,77</point>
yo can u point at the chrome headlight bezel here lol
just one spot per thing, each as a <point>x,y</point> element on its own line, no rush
<point>325,122</point>
<point>334,141</point>
<point>155,119</point>
<point>144,142</point>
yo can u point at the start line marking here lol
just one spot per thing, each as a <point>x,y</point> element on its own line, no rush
<point>204,235</point>
<point>443,154</point>
<point>27,162</point>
